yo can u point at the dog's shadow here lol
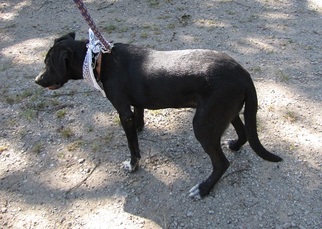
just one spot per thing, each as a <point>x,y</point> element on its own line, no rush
<point>152,200</point>
<point>172,163</point>
<point>141,200</point>
<point>167,172</point>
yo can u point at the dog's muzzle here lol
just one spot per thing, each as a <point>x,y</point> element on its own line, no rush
<point>42,82</point>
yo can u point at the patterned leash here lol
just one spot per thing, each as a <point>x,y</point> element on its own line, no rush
<point>80,5</point>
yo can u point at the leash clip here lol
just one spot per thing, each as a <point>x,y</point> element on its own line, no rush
<point>104,50</point>
<point>96,45</point>
<point>95,57</point>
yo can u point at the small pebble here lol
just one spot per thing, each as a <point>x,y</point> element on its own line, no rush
<point>4,210</point>
<point>82,160</point>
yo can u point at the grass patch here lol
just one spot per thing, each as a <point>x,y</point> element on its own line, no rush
<point>40,105</point>
<point>291,116</point>
<point>61,155</point>
<point>230,12</point>
<point>61,113</point>
<point>90,129</point>
<point>171,26</point>
<point>66,132</point>
<point>155,112</point>
<point>20,97</point>
<point>75,145</point>
<point>153,3</point>
<point>96,146</point>
<point>146,26</point>
<point>29,114</point>
<point>149,27</point>
<point>23,133</point>
<point>28,97</point>
<point>123,29</point>
<point>25,94</point>
<point>9,100</point>
<point>256,70</point>
<point>54,102</point>
<point>144,35</point>
<point>271,108</point>
<point>224,1</point>
<point>37,148</point>
<point>59,94</point>
<point>109,28</point>
<point>207,22</point>
<point>108,137</point>
<point>11,121</point>
<point>283,77</point>
<point>117,120</point>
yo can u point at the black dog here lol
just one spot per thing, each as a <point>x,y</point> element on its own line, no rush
<point>213,83</point>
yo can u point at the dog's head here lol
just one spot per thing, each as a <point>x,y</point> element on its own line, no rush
<point>58,71</point>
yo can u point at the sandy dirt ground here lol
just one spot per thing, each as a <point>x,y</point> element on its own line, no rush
<point>61,151</point>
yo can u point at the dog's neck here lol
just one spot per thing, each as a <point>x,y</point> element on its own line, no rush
<point>92,70</point>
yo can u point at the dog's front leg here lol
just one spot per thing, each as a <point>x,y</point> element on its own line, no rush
<point>129,126</point>
<point>139,118</point>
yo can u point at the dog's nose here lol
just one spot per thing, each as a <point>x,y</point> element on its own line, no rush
<point>38,79</point>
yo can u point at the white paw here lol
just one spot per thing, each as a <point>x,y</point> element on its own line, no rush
<point>195,192</point>
<point>225,144</point>
<point>126,165</point>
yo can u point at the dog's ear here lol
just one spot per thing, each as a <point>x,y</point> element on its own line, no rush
<point>66,37</point>
<point>59,62</point>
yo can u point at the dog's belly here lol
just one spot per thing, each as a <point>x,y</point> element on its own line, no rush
<point>168,103</point>
<point>159,95</point>
<point>169,91</point>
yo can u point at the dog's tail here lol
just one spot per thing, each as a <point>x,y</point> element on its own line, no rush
<point>251,105</point>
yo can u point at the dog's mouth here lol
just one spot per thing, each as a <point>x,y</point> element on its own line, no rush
<point>42,80</point>
<point>54,86</point>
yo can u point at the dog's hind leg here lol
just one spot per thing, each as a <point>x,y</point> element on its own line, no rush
<point>235,145</point>
<point>208,131</point>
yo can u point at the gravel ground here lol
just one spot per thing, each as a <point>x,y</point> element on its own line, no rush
<point>61,152</point>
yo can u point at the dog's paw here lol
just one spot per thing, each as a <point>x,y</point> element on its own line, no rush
<point>195,192</point>
<point>231,145</point>
<point>126,165</point>
<point>225,144</point>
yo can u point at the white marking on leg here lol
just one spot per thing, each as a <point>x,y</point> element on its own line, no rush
<point>225,144</point>
<point>194,192</point>
<point>127,166</point>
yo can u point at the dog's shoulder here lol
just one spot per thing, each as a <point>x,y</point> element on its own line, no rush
<point>129,51</point>
<point>129,48</point>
